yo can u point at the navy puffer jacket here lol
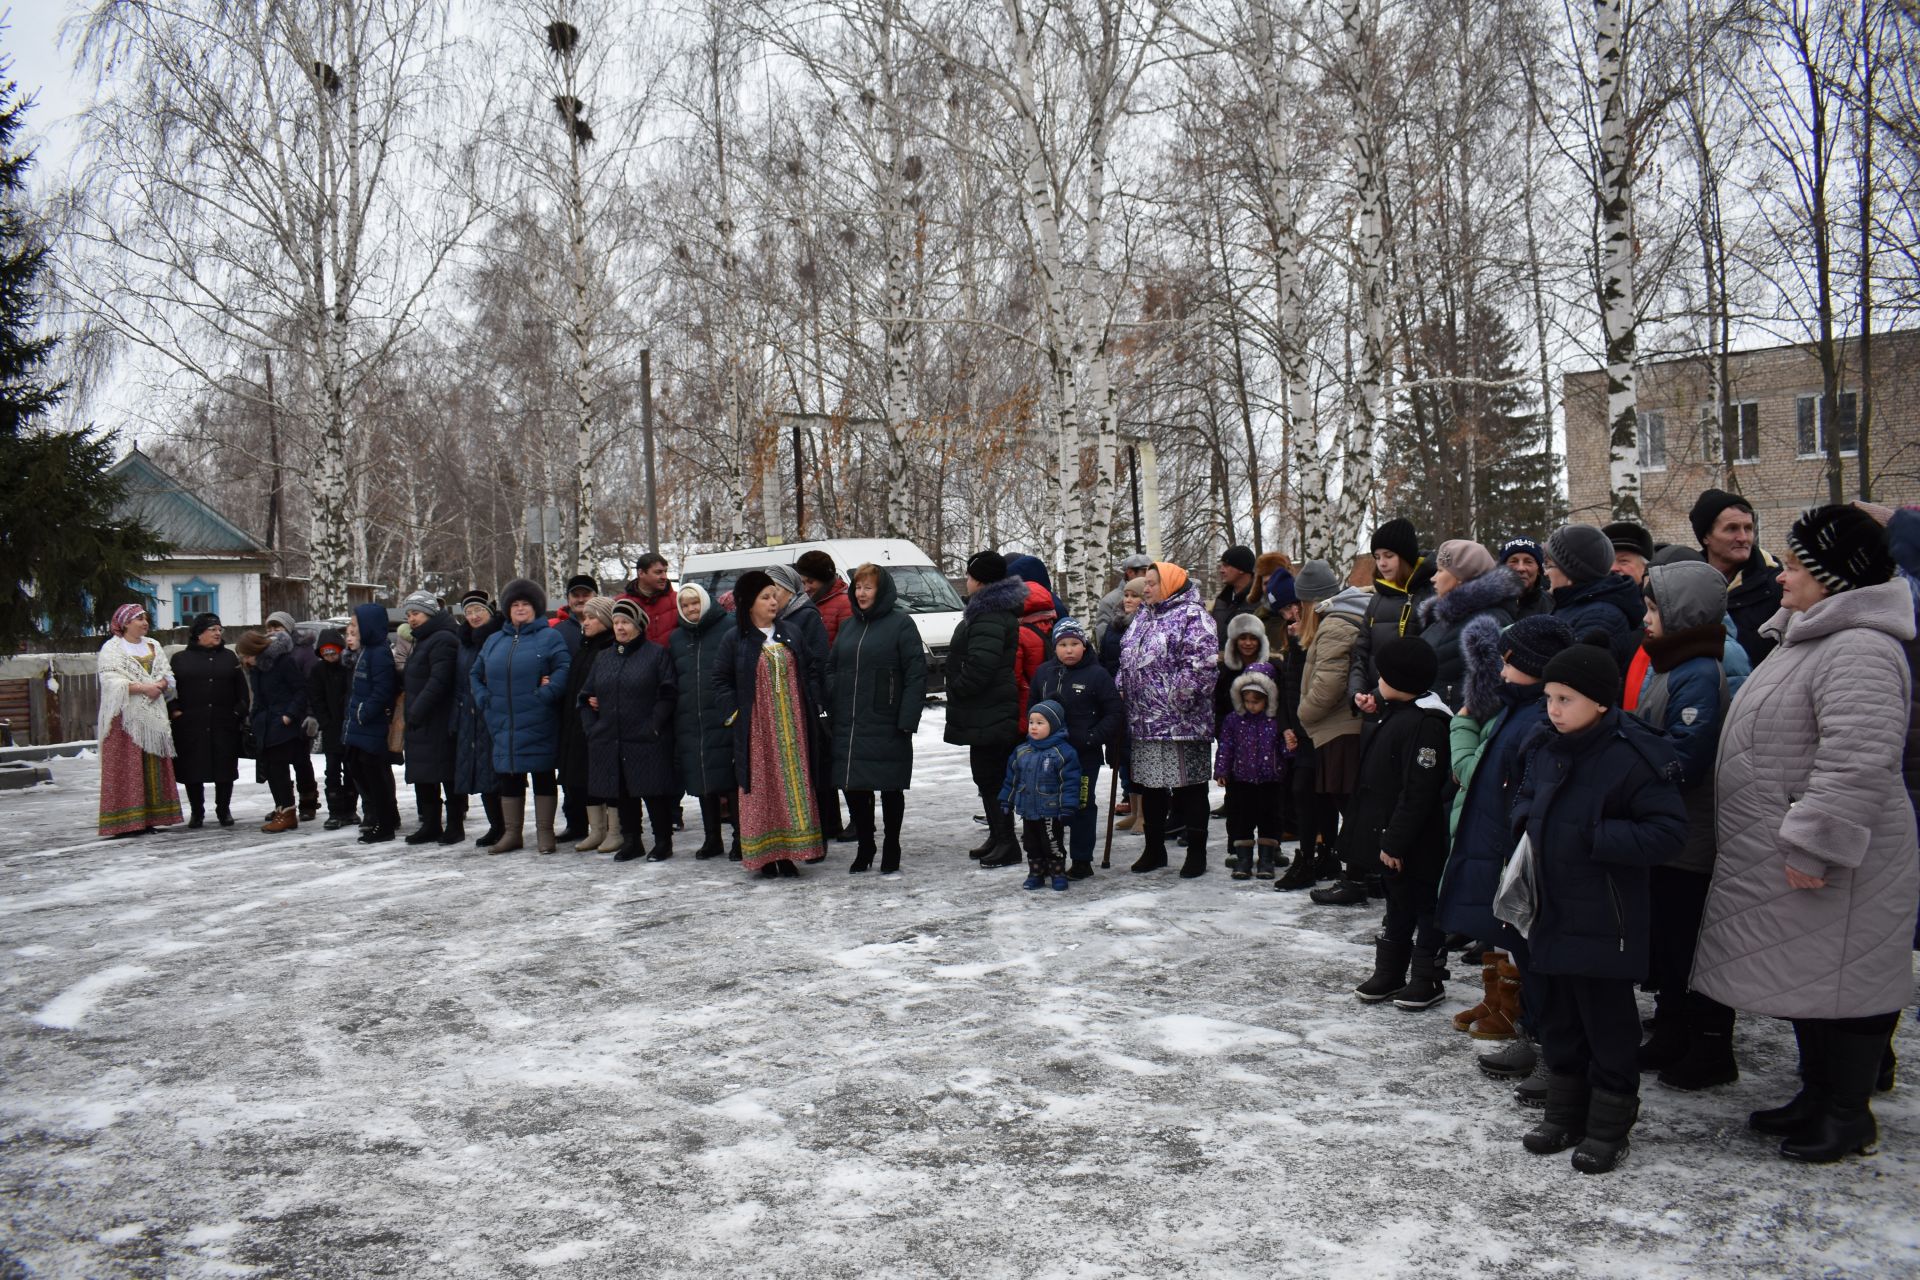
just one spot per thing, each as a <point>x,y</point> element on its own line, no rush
<point>1613,605</point>
<point>523,714</point>
<point>375,684</point>
<point>1484,838</point>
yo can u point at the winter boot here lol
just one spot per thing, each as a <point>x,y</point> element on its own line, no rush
<point>890,854</point>
<point>863,853</point>
<point>662,841</point>
<point>456,829</point>
<point>1128,821</point>
<point>1503,1019</point>
<point>1708,1062</point>
<point>1428,985</point>
<point>613,839</point>
<point>544,808</point>
<point>632,849</point>
<point>1241,862</point>
<point>733,849</point>
<point>281,820</point>
<point>223,814</point>
<point>1490,988</point>
<point>344,816</point>
<point>1301,874</point>
<point>988,845</point>
<point>1532,1092</point>
<point>1080,869</point>
<point>513,819</point>
<point>1267,856</point>
<point>1034,880</point>
<point>1610,1118</point>
<point>430,830</point>
<point>1513,1060</point>
<point>1193,800</point>
<point>1844,1125</point>
<point>1060,884</point>
<point>596,830</point>
<point>490,805</point>
<point>1152,858</point>
<point>1341,893</point>
<point>196,797</point>
<point>309,800</point>
<point>711,845</point>
<point>1568,1101</point>
<point>1389,971</point>
<point>1006,847</point>
<point>1668,1043</point>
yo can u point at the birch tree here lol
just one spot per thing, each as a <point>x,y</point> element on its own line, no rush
<point>1618,318</point>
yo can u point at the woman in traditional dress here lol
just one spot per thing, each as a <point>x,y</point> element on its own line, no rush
<point>209,719</point>
<point>137,791</point>
<point>769,686</point>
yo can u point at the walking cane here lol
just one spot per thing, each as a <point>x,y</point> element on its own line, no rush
<point>1106,854</point>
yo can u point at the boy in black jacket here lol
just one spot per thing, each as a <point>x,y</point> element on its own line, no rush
<point>1074,678</point>
<point>328,683</point>
<point>1397,814</point>
<point>1599,806</point>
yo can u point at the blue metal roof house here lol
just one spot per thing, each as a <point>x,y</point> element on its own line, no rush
<point>215,565</point>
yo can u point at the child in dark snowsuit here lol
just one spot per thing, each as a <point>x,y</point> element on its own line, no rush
<point>1599,806</point>
<point>328,683</point>
<point>1252,764</point>
<point>1398,815</point>
<point>1095,721</point>
<point>1043,789</point>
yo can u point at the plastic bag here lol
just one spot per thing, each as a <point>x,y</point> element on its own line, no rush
<point>1517,900</point>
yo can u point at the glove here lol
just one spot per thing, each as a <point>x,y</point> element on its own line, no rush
<point>310,727</point>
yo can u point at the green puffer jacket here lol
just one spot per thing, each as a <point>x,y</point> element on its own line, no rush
<point>983,699</point>
<point>876,684</point>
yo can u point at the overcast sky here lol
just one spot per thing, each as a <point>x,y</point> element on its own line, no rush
<point>44,71</point>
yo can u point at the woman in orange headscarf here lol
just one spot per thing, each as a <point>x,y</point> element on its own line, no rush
<point>1166,679</point>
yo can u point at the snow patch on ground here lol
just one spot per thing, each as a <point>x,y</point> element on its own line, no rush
<point>64,1011</point>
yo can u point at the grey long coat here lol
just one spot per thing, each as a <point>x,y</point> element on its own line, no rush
<point>1809,777</point>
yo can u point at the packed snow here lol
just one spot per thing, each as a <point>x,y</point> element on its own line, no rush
<point>232,1054</point>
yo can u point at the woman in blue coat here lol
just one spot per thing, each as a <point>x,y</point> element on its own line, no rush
<point>703,743</point>
<point>626,709</point>
<point>473,773</point>
<point>369,713</point>
<point>518,683</point>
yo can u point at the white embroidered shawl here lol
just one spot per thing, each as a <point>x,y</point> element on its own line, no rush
<point>145,719</point>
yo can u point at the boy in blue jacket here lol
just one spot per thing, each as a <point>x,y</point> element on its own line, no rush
<point>1095,718</point>
<point>1600,804</point>
<point>1044,788</point>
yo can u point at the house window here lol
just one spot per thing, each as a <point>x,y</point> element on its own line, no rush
<point>1812,444</point>
<point>1742,428</point>
<point>1652,436</point>
<point>191,599</point>
<point>147,595</point>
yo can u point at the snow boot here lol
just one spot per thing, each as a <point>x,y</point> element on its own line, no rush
<point>1532,1092</point>
<point>1427,987</point>
<point>1610,1118</point>
<point>596,829</point>
<point>1490,987</point>
<point>1006,845</point>
<point>1341,893</point>
<point>1708,1063</point>
<point>1568,1101</point>
<point>1389,971</point>
<point>1267,857</point>
<point>1154,858</point>
<point>513,820</point>
<point>1513,1060</point>
<point>987,845</point>
<point>281,820</point>
<point>1844,1123</point>
<point>1192,802</point>
<point>1060,883</point>
<point>1503,1020</point>
<point>662,842</point>
<point>544,808</point>
<point>1241,862</point>
<point>1034,881</point>
<point>223,814</point>
<point>428,805</point>
<point>711,845</point>
<point>612,839</point>
<point>309,800</point>
<point>456,829</point>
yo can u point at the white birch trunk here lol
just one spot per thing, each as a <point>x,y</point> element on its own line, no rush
<point>1616,257</point>
<point>898,237</point>
<point>1367,396</point>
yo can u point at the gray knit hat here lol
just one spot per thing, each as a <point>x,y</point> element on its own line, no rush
<point>1316,581</point>
<point>421,602</point>
<point>1582,552</point>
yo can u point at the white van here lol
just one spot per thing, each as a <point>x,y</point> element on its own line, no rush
<point>924,590</point>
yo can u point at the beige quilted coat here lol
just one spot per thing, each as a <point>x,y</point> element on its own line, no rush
<point>1809,777</point>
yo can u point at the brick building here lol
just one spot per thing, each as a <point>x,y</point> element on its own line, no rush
<point>1779,463</point>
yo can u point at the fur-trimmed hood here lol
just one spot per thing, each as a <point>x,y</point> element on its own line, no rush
<point>1257,679</point>
<point>1008,594</point>
<point>1498,588</point>
<point>1244,624</point>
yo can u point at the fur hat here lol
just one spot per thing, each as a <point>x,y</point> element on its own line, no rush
<point>1588,670</point>
<point>1263,683</point>
<point>523,589</point>
<point>1843,547</point>
<point>1464,559</point>
<point>1580,551</point>
<point>1707,508</point>
<point>1408,664</point>
<point>419,602</point>
<point>745,591</point>
<point>1531,643</point>
<point>1398,536</point>
<point>1522,547</point>
<point>986,567</point>
<point>817,565</point>
<point>1242,624</point>
<point>1056,715</point>
<point>1628,536</point>
<point>1317,581</point>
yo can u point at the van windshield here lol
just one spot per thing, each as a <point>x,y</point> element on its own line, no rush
<point>924,589</point>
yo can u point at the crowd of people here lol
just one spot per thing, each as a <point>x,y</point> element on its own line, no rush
<point>1588,763</point>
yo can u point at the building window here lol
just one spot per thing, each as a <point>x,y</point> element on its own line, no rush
<point>1652,435</point>
<point>1814,445</point>
<point>1742,429</point>
<point>191,599</point>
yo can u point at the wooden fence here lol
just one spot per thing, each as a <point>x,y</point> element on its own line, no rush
<point>37,715</point>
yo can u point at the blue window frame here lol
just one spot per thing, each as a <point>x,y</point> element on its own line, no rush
<point>190,599</point>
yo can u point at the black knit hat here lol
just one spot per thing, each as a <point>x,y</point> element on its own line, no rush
<point>582,582</point>
<point>1628,536</point>
<point>746,590</point>
<point>1707,508</point>
<point>1407,664</point>
<point>202,624</point>
<point>1588,670</point>
<point>1843,547</point>
<point>523,589</point>
<point>1398,536</point>
<point>817,565</point>
<point>1240,558</point>
<point>1532,642</point>
<point>987,566</point>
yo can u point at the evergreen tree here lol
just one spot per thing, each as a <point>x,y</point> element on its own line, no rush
<point>65,557</point>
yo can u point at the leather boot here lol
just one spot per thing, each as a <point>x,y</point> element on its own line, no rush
<point>1503,1020</point>
<point>281,820</point>
<point>662,841</point>
<point>513,821</point>
<point>712,846</point>
<point>427,802</point>
<point>1427,986</point>
<point>1489,987</point>
<point>1341,893</point>
<point>986,846</point>
<point>1844,1124</point>
<point>489,805</point>
<point>1708,1060</point>
<point>1800,1113</point>
<point>1389,971</point>
<point>544,809</point>
<point>596,829</point>
<point>1300,875</point>
<point>1194,802</point>
<point>1569,1099</point>
<point>456,830</point>
<point>1610,1118</point>
<point>1006,847</point>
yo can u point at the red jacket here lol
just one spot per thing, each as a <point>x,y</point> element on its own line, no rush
<point>1036,632</point>
<point>835,607</point>
<point>663,611</point>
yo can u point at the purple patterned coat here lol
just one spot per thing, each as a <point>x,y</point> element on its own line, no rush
<point>1167,666</point>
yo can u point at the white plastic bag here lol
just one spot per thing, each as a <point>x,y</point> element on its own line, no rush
<point>1517,900</point>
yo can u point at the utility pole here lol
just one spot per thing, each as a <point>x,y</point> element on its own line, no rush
<point>646,438</point>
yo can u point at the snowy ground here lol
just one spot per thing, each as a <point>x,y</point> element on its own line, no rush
<point>225,1054</point>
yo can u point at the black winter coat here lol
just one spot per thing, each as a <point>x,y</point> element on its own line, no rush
<point>630,737</point>
<point>428,679</point>
<point>279,702</point>
<point>876,685</point>
<point>573,727</point>
<point>983,698</point>
<point>1399,803</point>
<point>472,741</point>
<point>1752,601</point>
<point>1290,665</point>
<point>1484,839</point>
<point>1599,807</point>
<point>1612,604</point>
<point>703,745</point>
<point>209,713</point>
<point>1391,613</point>
<point>1096,718</point>
<point>736,676</point>
<point>329,685</point>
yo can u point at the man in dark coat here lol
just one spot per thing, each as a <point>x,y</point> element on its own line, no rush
<point>428,679</point>
<point>209,711</point>
<point>1529,564</point>
<point>1589,596</point>
<point>1724,523</point>
<point>1236,587</point>
<point>581,588</point>
<point>983,696</point>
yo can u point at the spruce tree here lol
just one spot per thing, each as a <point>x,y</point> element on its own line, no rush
<point>65,557</point>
